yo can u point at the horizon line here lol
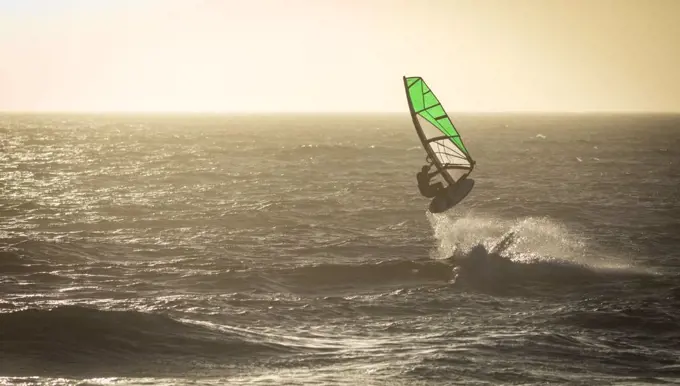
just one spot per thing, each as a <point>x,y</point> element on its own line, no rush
<point>274,112</point>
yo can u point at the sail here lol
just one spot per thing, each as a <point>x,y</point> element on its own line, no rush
<point>436,131</point>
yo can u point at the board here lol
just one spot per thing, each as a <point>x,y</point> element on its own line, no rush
<point>451,196</point>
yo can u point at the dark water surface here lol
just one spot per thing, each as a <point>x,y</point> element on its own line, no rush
<point>296,250</point>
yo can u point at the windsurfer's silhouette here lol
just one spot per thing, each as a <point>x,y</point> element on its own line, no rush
<point>426,189</point>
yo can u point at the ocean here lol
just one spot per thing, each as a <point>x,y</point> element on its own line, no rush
<point>296,249</point>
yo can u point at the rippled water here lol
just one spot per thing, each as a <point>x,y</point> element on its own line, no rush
<point>296,250</point>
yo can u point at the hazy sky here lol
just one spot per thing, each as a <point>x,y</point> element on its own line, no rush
<point>338,55</point>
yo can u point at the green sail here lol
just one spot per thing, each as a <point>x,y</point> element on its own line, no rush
<point>426,105</point>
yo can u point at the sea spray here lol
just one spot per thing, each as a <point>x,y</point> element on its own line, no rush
<point>532,239</point>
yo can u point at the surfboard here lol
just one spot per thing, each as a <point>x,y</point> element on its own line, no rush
<point>442,143</point>
<point>453,194</point>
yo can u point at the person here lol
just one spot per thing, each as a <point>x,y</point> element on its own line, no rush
<point>424,177</point>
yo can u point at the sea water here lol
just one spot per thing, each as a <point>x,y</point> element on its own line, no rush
<point>295,249</point>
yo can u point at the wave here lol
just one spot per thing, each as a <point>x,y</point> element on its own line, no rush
<point>13,262</point>
<point>493,273</point>
<point>542,254</point>
<point>494,255</point>
<point>634,319</point>
<point>323,278</point>
<point>366,275</point>
<point>32,255</point>
<point>566,354</point>
<point>478,272</point>
<point>72,339</point>
<point>537,254</point>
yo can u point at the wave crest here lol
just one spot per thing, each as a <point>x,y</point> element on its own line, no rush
<point>80,340</point>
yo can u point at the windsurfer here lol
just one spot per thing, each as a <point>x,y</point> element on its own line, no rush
<point>424,177</point>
